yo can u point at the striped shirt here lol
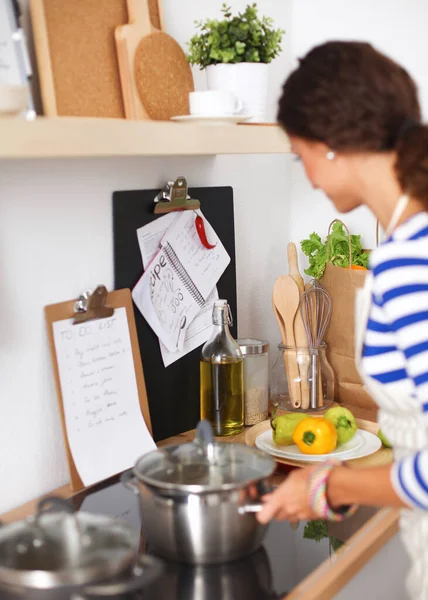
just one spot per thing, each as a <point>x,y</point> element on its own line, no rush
<point>395,351</point>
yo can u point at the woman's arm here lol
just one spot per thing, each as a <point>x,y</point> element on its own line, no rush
<point>290,501</point>
<point>371,486</point>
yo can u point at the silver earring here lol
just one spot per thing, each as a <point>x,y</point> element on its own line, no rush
<point>330,155</point>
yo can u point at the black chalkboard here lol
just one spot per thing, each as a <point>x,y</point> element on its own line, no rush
<point>173,392</point>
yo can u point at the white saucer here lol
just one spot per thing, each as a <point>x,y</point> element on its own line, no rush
<point>212,120</point>
<point>362,444</point>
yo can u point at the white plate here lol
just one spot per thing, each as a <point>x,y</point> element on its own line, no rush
<point>293,452</point>
<point>362,444</point>
<point>266,443</point>
<point>219,120</point>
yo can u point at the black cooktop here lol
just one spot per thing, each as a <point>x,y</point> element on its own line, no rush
<point>286,557</point>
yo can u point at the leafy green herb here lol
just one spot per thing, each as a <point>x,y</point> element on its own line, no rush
<point>336,544</point>
<point>316,251</point>
<point>317,530</point>
<point>244,38</point>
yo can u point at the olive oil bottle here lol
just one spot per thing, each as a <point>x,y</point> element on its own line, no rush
<point>222,376</point>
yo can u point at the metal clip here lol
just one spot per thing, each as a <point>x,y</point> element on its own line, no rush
<point>89,306</point>
<point>229,315</point>
<point>174,196</point>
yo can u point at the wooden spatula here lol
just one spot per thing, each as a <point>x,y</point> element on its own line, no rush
<point>299,329</point>
<point>286,299</point>
<point>155,76</point>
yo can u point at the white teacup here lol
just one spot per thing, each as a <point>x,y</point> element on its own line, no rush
<point>214,103</point>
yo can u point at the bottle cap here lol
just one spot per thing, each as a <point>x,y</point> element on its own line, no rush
<point>220,302</point>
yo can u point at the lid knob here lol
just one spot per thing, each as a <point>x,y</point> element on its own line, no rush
<point>205,439</point>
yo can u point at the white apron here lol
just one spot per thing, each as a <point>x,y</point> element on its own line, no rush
<point>403,423</point>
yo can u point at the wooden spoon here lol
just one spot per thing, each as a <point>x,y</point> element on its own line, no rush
<point>301,339</point>
<point>293,267</point>
<point>286,299</point>
<point>280,324</point>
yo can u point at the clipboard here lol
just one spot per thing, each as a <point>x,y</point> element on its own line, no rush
<point>173,392</point>
<point>99,309</point>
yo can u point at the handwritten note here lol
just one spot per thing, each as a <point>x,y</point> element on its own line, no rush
<point>203,266</point>
<point>179,280</point>
<point>105,428</point>
<point>9,72</point>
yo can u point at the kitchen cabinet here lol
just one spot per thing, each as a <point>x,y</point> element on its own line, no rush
<point>68,137</point>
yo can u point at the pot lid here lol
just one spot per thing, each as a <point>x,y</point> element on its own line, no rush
<point>54,549</point>
<point>203,465</point>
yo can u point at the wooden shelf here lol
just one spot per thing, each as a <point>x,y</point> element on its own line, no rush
<point>65,137</point>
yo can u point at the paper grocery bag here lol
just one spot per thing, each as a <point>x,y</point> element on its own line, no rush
<point>342,285</point>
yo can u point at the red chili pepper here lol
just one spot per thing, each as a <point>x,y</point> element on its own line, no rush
<point>200,228</point>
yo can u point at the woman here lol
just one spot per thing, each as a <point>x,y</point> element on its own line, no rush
<point>353,119</point>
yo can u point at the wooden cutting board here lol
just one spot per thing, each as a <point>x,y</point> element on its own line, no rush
<point>76,55</point>
<point>383,456</point>
<point>155,75</point>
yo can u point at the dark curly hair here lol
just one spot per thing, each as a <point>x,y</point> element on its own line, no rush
<point>355,99</point>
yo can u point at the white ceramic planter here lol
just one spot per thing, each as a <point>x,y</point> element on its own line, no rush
<point>248,81</point>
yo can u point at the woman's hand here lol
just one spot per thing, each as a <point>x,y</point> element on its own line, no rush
<point>290,501</point>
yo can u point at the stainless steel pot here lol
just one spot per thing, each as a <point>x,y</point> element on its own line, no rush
<point>71,552</point>
<point>198,499</point>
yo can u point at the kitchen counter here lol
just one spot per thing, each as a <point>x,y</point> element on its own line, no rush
<point>363,537</point>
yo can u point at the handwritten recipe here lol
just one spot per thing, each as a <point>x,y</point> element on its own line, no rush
<point>105,428</point>
<point>179,279</point>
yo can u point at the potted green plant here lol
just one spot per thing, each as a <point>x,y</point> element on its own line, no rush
<point>235,52</point>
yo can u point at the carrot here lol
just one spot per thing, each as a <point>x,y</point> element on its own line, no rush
<point>358,268</point>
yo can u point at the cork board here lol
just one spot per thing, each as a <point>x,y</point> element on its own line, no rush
<point>76,55</point>
<point>65,310</point>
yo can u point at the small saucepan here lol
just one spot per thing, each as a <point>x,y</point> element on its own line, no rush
<point>197,500</point>
<point>61,552</point>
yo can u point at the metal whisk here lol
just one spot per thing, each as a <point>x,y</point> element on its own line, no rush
<point>315,308</point>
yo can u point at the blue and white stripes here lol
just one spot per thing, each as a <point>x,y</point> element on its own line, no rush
<point>395,353</point>
<point>409,478</point>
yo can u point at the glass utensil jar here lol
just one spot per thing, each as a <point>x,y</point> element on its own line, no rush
<point>256,379</point>
<point>291,379</point>
<point>222,376</point>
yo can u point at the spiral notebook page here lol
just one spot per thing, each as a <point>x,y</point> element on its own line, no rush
<point>179,279</point>
<point>149,237</point>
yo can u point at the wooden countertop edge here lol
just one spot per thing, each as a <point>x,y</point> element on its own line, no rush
<point>330,577</point>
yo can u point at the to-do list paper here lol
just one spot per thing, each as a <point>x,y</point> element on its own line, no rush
<point>105,428</point>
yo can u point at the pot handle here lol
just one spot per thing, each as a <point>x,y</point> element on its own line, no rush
<point>255,507</point>
<point>250,508</point>
<point>144,572</point>
<point>129,481</point>
<point>54,503</point>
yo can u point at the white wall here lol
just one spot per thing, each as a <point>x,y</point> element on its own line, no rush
<point>56,240</point>
<point>396,27</point>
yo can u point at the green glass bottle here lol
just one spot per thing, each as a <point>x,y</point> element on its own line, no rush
<point>222,376</point>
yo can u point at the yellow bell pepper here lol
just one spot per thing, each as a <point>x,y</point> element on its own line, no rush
<point>315,436</point>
